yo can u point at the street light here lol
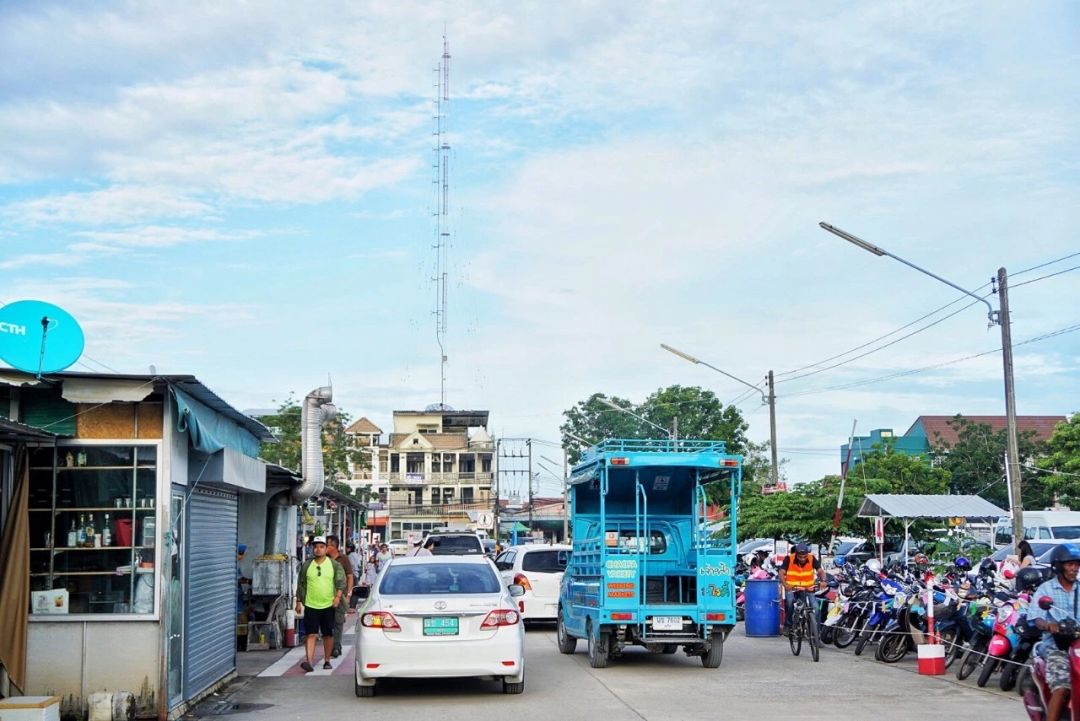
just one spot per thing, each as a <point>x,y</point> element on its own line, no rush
<point>996,317</point>
<point>606,402</point>
<point>565,492</point>
<point>774,471</point>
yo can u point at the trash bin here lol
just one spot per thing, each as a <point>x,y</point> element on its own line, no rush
<point>762,608</point>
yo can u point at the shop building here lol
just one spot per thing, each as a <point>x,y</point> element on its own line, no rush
<point>125,494</point>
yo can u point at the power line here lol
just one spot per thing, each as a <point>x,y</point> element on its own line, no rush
<point>921,318</point>
<point>913,371</point>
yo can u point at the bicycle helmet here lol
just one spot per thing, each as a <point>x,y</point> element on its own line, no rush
<point>962,564</point>
<point>1028,579</point>
<point>1061,554</point>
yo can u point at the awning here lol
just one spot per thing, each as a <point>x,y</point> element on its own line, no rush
<point>11,431</point>
<point>209,430</point>
<point>918,506</point>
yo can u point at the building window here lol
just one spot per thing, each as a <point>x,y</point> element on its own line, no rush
<point>467,494</point>
<point>485,463</point>
<point>93,529</point>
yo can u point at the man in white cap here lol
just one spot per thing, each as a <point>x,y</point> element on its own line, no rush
<point>422,549</point>
<point>319,590</point>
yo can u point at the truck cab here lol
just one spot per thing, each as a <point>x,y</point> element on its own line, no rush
<point>647,569</point>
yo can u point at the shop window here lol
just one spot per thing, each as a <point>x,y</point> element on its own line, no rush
<point>93,529</point>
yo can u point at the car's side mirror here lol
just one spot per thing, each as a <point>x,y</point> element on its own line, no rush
<point>516,589</point>
<point>563,558</point>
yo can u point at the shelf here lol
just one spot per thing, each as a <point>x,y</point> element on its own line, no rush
<point>93,468</point>
<point>93,509</point>
<point>57,574</point>
<point>60,549</point>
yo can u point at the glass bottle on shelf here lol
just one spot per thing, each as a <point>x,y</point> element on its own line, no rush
<point>80,540</point>
<point>106,532</point>
<point>73,534</point>
<point>91,541</point>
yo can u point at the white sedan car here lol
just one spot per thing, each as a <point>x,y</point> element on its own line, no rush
<point>440,616</point>
<point>538,569</point>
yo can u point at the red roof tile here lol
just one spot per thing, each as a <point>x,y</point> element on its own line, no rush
<point>939,432</point>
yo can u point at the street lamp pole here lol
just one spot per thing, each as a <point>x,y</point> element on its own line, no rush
<point>770,399</point>
<point>628,412</point>
<point>999,317</point>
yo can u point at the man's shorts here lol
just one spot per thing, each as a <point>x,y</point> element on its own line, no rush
<point>319,619</point>
<point>1057,669</point>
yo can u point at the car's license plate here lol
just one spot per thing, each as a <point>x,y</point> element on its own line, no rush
<point>667,623</point>
<point>441,626</point>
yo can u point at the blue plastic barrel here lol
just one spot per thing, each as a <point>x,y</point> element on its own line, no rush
<point>762,608</point>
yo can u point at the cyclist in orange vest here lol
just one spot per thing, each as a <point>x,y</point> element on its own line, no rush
<point>800,571</point>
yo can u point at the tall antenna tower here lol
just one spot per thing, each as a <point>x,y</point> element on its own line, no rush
<point>441,184</point>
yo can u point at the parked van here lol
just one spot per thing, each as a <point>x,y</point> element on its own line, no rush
<point>1040,526</point>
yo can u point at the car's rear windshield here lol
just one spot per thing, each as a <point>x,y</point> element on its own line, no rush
<point>457,546</point>
<point>1066,531</point>
<point>438,578</point>
<point>542,561</point>
<point>846,547</point>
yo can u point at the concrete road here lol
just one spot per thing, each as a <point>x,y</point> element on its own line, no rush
<point>757,680</point>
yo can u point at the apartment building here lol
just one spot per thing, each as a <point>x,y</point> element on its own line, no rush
<point>434,468</point>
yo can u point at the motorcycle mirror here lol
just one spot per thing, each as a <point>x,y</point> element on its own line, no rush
<point>1045,602</point>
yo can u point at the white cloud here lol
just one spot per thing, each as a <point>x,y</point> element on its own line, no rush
<point>122,204</point>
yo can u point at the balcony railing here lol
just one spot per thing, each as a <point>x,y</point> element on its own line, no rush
<point>398,508</point>
<point>467,477</point>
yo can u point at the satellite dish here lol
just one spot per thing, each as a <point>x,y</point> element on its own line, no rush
<point>39,337</point>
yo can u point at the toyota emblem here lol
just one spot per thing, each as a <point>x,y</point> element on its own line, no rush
<point>440,605</point>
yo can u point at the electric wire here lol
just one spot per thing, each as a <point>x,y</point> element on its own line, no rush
<point>925,316</point>
<point>913,371</point>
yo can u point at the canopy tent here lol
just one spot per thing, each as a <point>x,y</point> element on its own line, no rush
<point>910,508</point>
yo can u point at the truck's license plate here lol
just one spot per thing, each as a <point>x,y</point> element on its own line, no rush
<point>667,623</point>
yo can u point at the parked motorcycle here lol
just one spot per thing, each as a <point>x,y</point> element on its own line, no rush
<point>1037,695</point>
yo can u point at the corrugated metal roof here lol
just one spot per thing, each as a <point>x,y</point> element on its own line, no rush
<point>15,431</point>
<point>188,383</point>
<point>917,506</point>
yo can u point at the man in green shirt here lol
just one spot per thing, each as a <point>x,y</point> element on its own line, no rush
<point>319,589</point>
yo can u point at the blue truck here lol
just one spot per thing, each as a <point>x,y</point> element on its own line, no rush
<point>647,567</point>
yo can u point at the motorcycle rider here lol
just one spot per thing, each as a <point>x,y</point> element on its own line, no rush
<point>1064,590</point>
<point>799,572</point>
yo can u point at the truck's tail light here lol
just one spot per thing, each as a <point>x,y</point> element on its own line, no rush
<point>622,617</point>
<point>380,619</point>
<point>620,461</point>
<point>731,464</point>
<point>501,617</point>
<point>522,580</point>
<point>715,616</point>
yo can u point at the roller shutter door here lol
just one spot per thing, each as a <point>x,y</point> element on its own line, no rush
<point>210,610</point>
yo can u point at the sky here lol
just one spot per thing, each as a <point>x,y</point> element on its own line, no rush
<point>244,192</point>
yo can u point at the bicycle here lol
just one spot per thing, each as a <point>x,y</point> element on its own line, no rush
<point>804,624</point>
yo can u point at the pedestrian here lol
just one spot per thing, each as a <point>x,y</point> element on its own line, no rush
<point>356,559</point>
<point>333,550</point>
<point>319,590</point>
<point>1027,556</point>
<point>383,557</point>
<point>372,570</point>
<point>420,548</point>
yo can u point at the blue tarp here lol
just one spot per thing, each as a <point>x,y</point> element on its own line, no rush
<point>208,430</point>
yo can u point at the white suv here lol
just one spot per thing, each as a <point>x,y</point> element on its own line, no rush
<point>539,570</point>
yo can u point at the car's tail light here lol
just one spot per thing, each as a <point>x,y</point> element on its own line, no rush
<point>501,617</point>
<point>522,580</point>
<point>380,619</point>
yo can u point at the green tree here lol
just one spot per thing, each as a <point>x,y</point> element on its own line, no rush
<point>904,473</point>
<point>976,464</point>
<point>700,414</point>
<point>337,449</point>
<point>806,512</point>
<point>1061,459</point>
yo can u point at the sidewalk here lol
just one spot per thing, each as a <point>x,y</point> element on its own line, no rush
<point>283,661</point>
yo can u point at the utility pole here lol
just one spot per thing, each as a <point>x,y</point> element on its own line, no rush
<point>495,510</point>
<point>528,444</point>
<point>1010,407</point>
<point>565,499</point>
<point>774,471</point>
